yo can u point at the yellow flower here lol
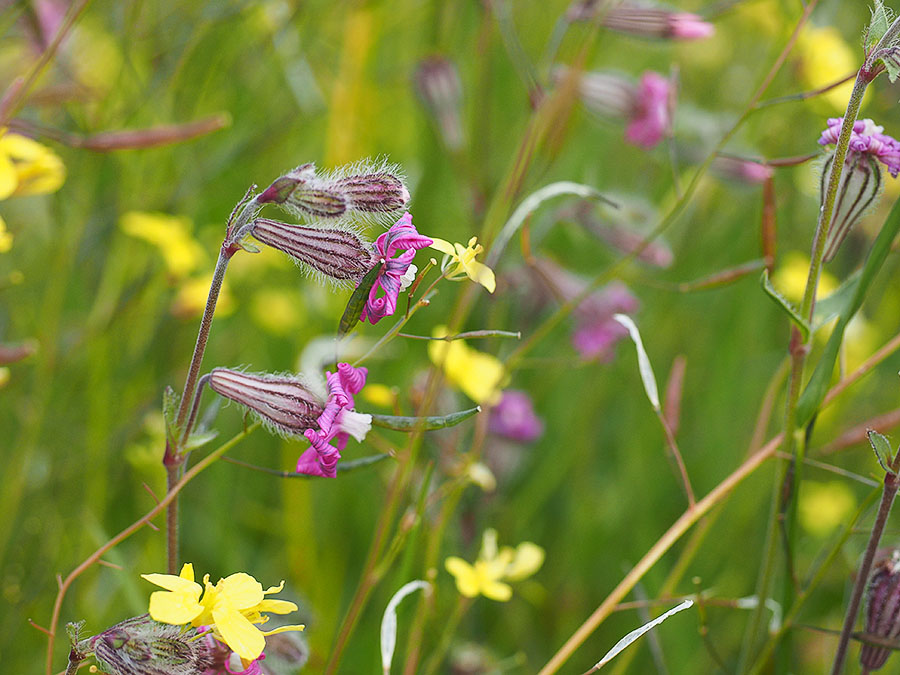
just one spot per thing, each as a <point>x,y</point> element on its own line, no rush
<point>231,608</point>
<point>191,298</point>
<point>790,278</point>
<point>825,58</point>
<point>477,374</point>
<point>6,238</point>
<point>464,263</point>
<point>278,310</point>
<point>492,566</point>
<point>824,506</point>
<point>28,167</point>
<point>171,235</point>
<point>4,376</point>
<point>379,394</point>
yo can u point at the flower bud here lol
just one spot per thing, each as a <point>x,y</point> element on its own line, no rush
<point>337,254</point>
<point>142,646</point>
<point>341,193</point>
<point>281,402</point>
<point>860,188</point>
<point>882,609</point>
<point>437,82</point>
<point>643,21</point>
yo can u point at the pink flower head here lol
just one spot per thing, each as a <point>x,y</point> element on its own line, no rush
<point>865,139</point>
<point>651,113</point>
<point>686,26</point>
<point>225,661</point>
<point>514,418</point>
<point>596,332</point>
<point>337,422</point>
<point>393,277</point>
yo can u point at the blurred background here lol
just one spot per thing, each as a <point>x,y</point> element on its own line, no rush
<point>104,278</point>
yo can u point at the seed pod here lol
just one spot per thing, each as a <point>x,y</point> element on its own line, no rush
<point>860,188</point>
<point>882,609</point>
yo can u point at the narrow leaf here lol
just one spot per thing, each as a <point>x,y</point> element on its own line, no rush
<point>389,621</point>
<point>723,277</point>
<point>784,304</point>
<point>423,423</point>
<point>637,633</point>
<point>890,57</point>
<point>170,413</point>
<point>644,366</point>
<point>358,301</point>
<point>882,448</point>
<point>200,438</point>
<point>816,388</point>
<point>878,25</point>
<point>831,307</point>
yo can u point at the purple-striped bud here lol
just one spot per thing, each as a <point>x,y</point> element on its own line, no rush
<point>437,82</point>
<point>644,21</point>
<point>142,646</point>
<point>337,254</point>
<point>882,609</point>
<point>351,189</point>
<point>281,402</point>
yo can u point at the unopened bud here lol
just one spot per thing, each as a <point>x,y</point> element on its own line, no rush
<point>281,402</point>
<point>882,609</point>
<point>337,254</point>
<point>437,82</point>
<point>338,194</point>
<point>142,646</point>
<point>652,22</point>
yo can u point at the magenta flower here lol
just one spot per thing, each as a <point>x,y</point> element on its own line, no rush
<point>337,422</point>
<point>866,138</point>
<point>514,418</point>
<point>640,20</point>
<point>395,274</point>
<point>596,332</point>
<point>651,112</point>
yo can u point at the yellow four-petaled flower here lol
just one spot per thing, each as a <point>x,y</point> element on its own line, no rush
<point>460,262</point>
<point>493,567</point>
<point>231,608</point>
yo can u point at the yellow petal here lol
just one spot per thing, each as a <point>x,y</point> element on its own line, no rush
<point>488,544</point>
<point>465,575</point>
<point>274,589</point>
<point>173,608</point>
<point>6,237</point>
<point>496,590</point>
<point>187,571</point>
<point>442,246</point>
<point>241,590</point>
<point>276,606</point>
<point>528,560</point>
<point>482,274</point>
<point>8,177</point>
<point>238,633</point>
<point>172,583</point>
<point>284,629</point>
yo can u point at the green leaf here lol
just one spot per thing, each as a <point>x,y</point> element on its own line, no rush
<point>358,301</point>
<point>831,307</point>
<point>882,447</point>
<point>817,387</point>
<point>200,438</point>
<point>784,304</point>
<point>890,57</point>
<point>423,423</point>
<point>878,25</point>
<point>170,413</point>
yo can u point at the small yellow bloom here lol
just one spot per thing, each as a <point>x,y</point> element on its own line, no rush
<point>171,235</point>
<point>824,506</point>
<point>790,278</point>
<point>6,238</point>
<point>462,259</point>
<point>492,566</point>
<point>379,394</point>
<point>28,167</point>
<point>477,374</point>
<point>231,608</point>
<point>480,474</point>
<point>825,58</point>
<point>190,300</point>
<point>4,376</point>
<point>280,311</point>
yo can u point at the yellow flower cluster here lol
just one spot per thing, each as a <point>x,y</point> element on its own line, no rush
<point>231,608</point>
<point>494,566</point>
<point>459,262</point>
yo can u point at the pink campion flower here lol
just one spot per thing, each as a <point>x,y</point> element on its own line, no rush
<point>651,113</point>
<point>861,179</point>
<point>337,422</point>
<point>396,273</point>
<point>866,138</point>
<point>647,22</point>
<point>514,418</point>
<point>744,170</point>
<point>646,106</point>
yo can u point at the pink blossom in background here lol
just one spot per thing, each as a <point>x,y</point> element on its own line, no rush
<point>596,332</point>
<point>651,114</point>
<point>514,418</point>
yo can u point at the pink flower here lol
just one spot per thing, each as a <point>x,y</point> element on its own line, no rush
<point>651,113</point>
<point>690,27</point>
<point>513,418</point>
<point>394,274</point>
<point>337,422</point>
